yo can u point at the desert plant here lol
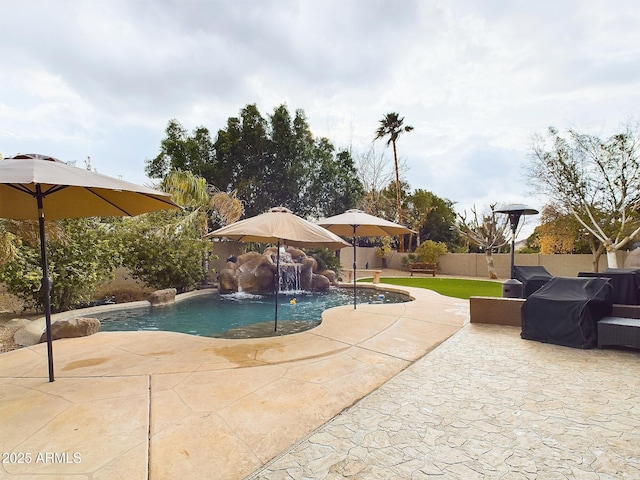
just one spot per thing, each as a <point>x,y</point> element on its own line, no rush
<point>327,259</point>
<point>407,259</point>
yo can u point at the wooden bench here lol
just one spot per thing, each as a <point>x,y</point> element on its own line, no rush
<point>422,267</point>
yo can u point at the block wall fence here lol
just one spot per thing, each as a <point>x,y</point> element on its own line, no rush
<point>475,264</point>
<point>457,264</point>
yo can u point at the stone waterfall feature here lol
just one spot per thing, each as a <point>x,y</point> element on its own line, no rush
<point>255,273</point>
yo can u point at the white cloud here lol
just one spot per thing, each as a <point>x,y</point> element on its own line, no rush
<point>475,79</point>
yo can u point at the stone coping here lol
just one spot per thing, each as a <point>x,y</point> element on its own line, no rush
<point>30,333</point>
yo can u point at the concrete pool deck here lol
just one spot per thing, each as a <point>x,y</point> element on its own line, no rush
<point>355,398</point>
<point>164,405</point>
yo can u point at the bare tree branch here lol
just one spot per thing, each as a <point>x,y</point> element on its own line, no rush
<point>596,180</point>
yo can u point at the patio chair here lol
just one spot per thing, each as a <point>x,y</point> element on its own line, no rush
<point>625,283</point>
<point>532,278</point>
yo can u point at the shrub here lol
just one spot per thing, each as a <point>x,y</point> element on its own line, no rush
<point>430,251</point>
<point>384,249</point>
<point>407,259</point>
<point>164,251</point>
<point>85,254</point>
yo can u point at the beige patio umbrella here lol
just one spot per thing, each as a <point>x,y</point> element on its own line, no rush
<point>357,223</point>
<point>39,187</point>
<point>280,226</point>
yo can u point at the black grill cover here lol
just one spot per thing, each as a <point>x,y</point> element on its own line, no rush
<point>625,283</point>
<point>532,278</point>
<point>566,310</point>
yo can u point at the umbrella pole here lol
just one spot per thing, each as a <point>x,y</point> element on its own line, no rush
<point>354,267</point>
<point>45,285</point>
<point>275,328</point>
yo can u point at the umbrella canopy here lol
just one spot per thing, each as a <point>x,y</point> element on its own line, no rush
<point>69,192</point>
<point>280,225</point>
<point>357,223</point>
<point>365,225</point>
<point>34,186</point>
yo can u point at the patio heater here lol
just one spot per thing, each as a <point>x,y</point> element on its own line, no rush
<point>512,288</point>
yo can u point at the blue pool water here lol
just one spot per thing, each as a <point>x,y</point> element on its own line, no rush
<point>240,315</point>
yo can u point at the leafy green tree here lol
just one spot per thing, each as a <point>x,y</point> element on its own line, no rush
<point>168,249</point>
<point>593,179</point>
<point>433,218</point>
<point>387,208</point>
<point>243,149</point>
<point>181,151</point>
<point>21,273</point>
<point>388,197</point>
<point>229,155</point>
<point>392,126</point>
<point>14,233</point>
<point>334,185</point>
<point>83,253</point>
<point>264,162</point>
<point>279,162</point>
<point>291,144</point>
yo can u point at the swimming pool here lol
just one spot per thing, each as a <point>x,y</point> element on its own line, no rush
<point>241,315</point>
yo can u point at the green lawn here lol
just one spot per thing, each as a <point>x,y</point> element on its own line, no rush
<point>451,287</point>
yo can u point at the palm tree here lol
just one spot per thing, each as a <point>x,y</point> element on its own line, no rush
<point>191,192</point>
<point>15,232</point>
<point>392,125</point>
<point>201,202</point>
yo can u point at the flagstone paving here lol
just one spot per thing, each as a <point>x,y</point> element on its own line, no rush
<point>163,405</point>
<point>485,404</point>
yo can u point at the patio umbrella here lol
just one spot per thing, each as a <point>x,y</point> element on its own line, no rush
<point>39,187</point>
<point>357,223</point>
<point>280,225</point>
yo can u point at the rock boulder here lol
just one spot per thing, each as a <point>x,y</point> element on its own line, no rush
<point>72,328</point>
<point>331,275</point>
<point>255,273</point>
<point>162,297</point>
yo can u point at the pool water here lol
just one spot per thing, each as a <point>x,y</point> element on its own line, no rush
<point>241,315</point>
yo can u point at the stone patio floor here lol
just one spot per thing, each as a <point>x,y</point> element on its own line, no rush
<point>384,391</point>
<point>485,405</point>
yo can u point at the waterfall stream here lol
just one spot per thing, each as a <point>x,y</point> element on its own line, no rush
<point>290,277</point>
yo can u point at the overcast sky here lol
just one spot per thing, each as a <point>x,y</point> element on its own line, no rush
<point>476,79</point>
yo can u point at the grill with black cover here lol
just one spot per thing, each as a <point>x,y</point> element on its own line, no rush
<point>565,311</point>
